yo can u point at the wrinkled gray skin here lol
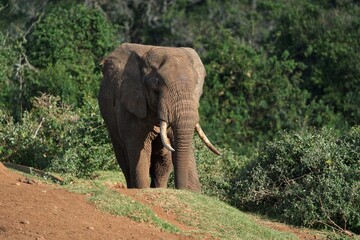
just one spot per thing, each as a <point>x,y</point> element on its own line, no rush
<point>143,85</point>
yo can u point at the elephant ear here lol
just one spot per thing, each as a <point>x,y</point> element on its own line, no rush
<point>132,89</point>
<point>200,69</point>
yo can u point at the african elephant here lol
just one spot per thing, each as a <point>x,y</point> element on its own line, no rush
<point>149,99</point>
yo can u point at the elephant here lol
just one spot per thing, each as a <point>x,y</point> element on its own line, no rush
<point>149,100</point>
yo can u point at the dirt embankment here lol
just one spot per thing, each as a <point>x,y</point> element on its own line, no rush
<point>35,210</point>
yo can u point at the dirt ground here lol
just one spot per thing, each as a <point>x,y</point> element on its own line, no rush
<point>35,210</point>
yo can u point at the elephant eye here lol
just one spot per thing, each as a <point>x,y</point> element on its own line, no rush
<point>153,83</point>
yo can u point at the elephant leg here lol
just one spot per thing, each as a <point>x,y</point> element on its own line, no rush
<point>139,165</point>
<point>139,148</point>
<point>120,153</point>
<point>136,138</point>
<point>123,163</point>
<point>161,164</point>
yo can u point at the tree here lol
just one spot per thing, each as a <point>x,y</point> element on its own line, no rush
<point>324,38</point>
<point>7,60</point>
<point>67,46</point>
<point>248,95</point>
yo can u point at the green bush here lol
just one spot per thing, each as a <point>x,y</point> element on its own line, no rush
<point>56,137</point>
<point>324,37</point>
<point>64,34</point>
<point>66,46</point>
<point>19,143</point>
<point>8,56</point>
<point>216,172</point>
<point>248,95</point>
<point>309,178</point>
<point>90,147</point>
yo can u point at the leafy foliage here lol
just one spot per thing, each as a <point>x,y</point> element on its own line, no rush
<point>7,60</point>
<point>67,46</point>
<point>324,37</point>
<point>56,137</point>
<point>216,172</point>
<point>308,178</point>
<point>64,34</point>
<point>248,95</point>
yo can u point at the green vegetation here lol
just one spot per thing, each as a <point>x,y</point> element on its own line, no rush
<point>309,178</point>
<point>59,55</point>
<point>57,137</point>
<point>249,96</point>
<point>324,38</point>
<point>202,215</point>
<point>305,178</point>
<point>108,200</point>
<point>7,60</point>
<point>221,220</point>
<point>281,97</point>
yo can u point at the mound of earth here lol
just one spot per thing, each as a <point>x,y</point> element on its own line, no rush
<point>34,210</point>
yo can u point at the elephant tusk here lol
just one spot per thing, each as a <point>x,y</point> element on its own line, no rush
<point>163,134</point>
<point>205,139</point>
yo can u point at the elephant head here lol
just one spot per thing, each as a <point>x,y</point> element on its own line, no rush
<point>163,86</point>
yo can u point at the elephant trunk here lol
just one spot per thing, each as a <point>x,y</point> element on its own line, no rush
<point>183,156</point>
<point>182,118</point>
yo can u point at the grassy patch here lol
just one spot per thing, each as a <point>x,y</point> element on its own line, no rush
<point>111,201</point>
<point>204,215</point>
<point>208,216</point>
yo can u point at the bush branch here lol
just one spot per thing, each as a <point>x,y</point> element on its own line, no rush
<point>38,128</point>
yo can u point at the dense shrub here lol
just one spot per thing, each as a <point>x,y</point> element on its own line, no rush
<point>248,95</point>
<point>324,37</point>
<point>216,172</point>
<point>67,46</point>
<point>306,178</point>
<point>64,34</point>
<point>56,137</point>
<point>7,60</point>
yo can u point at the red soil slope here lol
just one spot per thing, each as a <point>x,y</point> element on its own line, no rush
<point>35,210</point>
